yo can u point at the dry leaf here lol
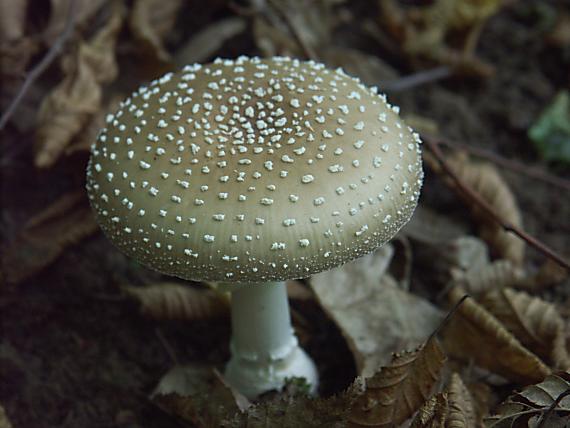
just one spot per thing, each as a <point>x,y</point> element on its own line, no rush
<point>12,19</point>
<point>174,301</point>
<point>535,322</point>
<point>68,108</point>
<point>375,316</point>
<point>461,413</point>
<point>485,179</point>
<point>4,421</point>
<point>207,42</point>
<point>534,402</point>
<point>550,273</point>
<point>64,223</point>
<point>209,402</point>
<point>396,391</point>
<point>151,21</point>
<point>492,276</point>
<point>83,10</point>
<point>433,413</point>
<point>475,334</point>
<point>429,227</point>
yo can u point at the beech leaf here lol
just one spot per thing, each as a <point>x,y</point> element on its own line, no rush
<point>433,413</point>
<point>65,222</point>
<point>396,391</point>
<point>174,301</point>
<point>375,316</point>
<point>475,334</point>
<point>485,179</point>
<point>528,407</point>
<point>535,322</point>
<point>499,274</point>
<point>68,108</point>
<point>461,407</point>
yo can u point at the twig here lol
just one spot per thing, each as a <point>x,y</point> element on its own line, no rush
<point>416,79</point>
<point>513,165</point>
<point>433,146</point>
<point>167,347</point>
<point>554,405</point>
<point>307,49</point>
<point>38,70</point>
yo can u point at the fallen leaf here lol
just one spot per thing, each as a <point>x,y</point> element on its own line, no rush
<point>68,108</point>
<point>550,273</point>
<point>375,316</point>
<point>534,400</point>
<point>82,10</point>
<point>484,179</point>
<point>492,276</point>
<point>429,227</point>
<point>174,301</point>
<point>151,21</point>
<point>4,421</point>
<point>461,410</point>
<point>62,224</point>
<point>433,413</point>
<point>535,322</point>
<point>203,45</point>
<point>12,19</point>
<point>396,391</point>
<point>475,334</point>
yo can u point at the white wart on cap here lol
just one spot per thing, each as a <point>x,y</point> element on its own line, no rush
<point>253,170</point>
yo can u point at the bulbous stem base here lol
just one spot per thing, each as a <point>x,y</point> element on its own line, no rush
<point>265,350</point>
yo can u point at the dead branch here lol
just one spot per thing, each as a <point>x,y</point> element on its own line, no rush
<point>474,197</point>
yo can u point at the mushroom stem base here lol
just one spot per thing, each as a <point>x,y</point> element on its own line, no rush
<point>265,351</point>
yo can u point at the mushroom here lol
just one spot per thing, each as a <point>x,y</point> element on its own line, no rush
<point>249,172</point>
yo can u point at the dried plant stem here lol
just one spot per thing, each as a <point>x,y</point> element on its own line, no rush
<point>45,62</point>
<point>307,49</point>
<point>473,196</point>
<point>513,165</point>
<point>416,79</point>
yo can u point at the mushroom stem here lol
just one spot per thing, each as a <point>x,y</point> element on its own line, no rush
<point>265,350</point>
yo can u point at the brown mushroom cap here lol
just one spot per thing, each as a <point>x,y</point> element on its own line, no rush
<point>253,170</point>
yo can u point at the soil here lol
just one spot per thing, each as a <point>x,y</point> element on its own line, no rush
<point>75,353</point>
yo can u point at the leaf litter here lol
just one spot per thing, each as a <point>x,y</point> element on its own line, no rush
<point>519,336</point>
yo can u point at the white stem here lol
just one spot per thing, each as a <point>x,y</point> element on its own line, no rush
<point>264,347</point>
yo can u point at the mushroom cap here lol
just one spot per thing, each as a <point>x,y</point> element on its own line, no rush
<point>253,170</point>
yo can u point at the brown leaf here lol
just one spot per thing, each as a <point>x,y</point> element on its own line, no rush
<point>373,313</point>
<point>82,10</point>
<point>535,400</point>
<point>485,179</point>
<point>433,413</point>
<point>461,413</point>
<point>535,322</point>
<point>475,334</point>
<point>4,421</point>
<point>174,301</point>
<point>550,273</point>
<point>499,274</point>
<point>68,108</point>
<point>396,391</point>
<point>12,19</point>
<point>151,20</point>
<point>62,224</point>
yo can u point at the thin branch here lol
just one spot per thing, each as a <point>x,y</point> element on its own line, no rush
<point>307,49</point>
<point>38,70</point>
<point>513,165</point>
<point>474,197</point>
<point>416,79</point>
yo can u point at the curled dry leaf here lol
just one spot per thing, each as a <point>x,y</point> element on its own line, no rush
<point>12,19</point>
<point>461,412</point>
<point>492,276</point>
<point>475,334</point>
<point>486,180</point>
<point>535,322</point>
<point>67,109</point>
<point>550,273</point>
<point>173,301</point>
<point>16,48</point>
<point>151,20</point>
<point>82,10</point>
<point>64,223</point>
<point>433,413</point>
<point>535,402</point>
<point>398,390</point>
<point>374,314</point>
